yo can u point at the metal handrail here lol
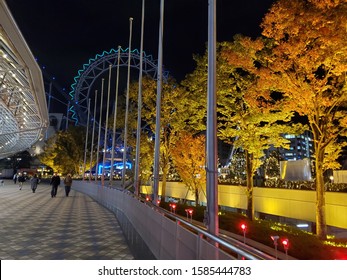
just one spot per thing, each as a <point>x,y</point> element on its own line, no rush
<point>235,245</point>
<point>231,246</point>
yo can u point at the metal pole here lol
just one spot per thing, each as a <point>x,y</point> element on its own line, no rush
<point>158,108</point>
<point>100,119</point>
<point>139,106</point>
<point>86,145</point>
<point>211,134</point>
<point>50,96</point>
<point>49,103</point>
<point>127,108</point>
<point>92,144</point>
<point>106,126</point>
<point>67,116</point>
<point>115,116</point>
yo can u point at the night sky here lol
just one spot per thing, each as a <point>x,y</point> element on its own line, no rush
<point>64,34</point>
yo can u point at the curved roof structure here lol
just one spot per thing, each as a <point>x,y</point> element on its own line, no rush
<point>23,108</point>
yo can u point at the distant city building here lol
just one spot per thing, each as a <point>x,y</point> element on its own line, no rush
<point>55,125</point>
<point>301,147</point>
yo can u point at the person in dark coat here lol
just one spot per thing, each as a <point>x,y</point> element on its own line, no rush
<point>21,180</point>
<point>55,182</point>
<point>67,183</point>
<point>34,182</point>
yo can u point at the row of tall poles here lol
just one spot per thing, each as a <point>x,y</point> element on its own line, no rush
<point>114,121</point>
<point>211,216</point>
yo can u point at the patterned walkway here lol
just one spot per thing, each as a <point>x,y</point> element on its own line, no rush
<point>37,227</point>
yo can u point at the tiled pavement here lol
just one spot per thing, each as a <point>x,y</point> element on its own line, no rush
<point>34,226</point>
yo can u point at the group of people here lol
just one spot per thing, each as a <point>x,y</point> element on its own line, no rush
<point>54,182</point>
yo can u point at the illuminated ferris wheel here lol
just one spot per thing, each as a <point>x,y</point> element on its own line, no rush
<point>85,81</point>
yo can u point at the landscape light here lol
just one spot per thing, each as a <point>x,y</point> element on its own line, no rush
<point>244,227</point>
<point>285,244</point>
<point>302,225</point>
<point>189,212</point>
<point>172,207</point>
<point>274,239</point>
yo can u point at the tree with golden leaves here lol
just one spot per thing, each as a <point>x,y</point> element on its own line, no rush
<point>308,65</point>
<point>64,152</point>
<point>248,115</point>
<point>251,117</point>
<point>49,153</point>
<point>174,115</point>
<point>190,158</point>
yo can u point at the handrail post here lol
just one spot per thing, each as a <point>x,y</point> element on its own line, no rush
<point>198,246</point>
<point>177,240</point>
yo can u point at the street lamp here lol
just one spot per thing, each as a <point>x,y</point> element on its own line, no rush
<point>106,126</point>
<point>211,125</point>
<point>115,116</point>
<point>92,144</point>
<point>127,106</point>
<point>139,107</point>
<point>158,105</point>
<point>99,133</point>
<point>86,143</point>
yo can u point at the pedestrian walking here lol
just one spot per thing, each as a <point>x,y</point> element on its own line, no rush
<point>55,182</point>
<point>21,180</point>
<point>67,183</point>
<point>15,178</point>
<point>34,182</point>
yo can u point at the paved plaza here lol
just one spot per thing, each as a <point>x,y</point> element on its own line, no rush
<point>35,226</point>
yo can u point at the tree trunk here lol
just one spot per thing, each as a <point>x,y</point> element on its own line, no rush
<point>165,161</point>
<point>320,196</point>
<point>77,169</point>
<point>163,184</point>
<point>249,173</point>
<point>196,197</point>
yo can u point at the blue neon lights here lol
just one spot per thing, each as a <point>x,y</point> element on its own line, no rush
<point>117,165</point>
<point>87,65</point>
